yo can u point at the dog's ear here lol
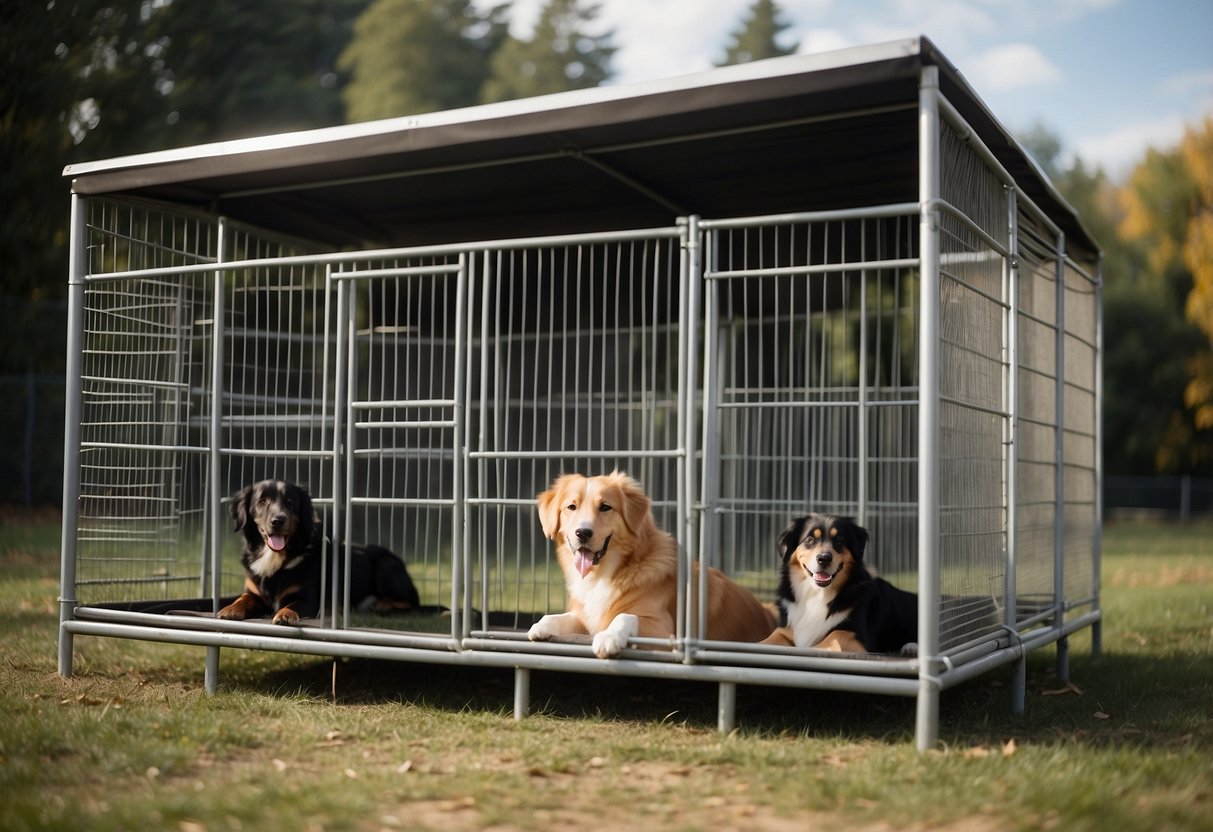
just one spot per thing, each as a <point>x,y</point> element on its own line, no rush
<point>856,536</point>
<point>239,507</point>
<point>790,538</point>
<point>307,515</point>
<point>550,503</point>
<point>637,508</point>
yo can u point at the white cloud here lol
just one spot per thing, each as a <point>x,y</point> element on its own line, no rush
<point>1199,81</point>
<point>1118,151</point>
<point>1012,66</point>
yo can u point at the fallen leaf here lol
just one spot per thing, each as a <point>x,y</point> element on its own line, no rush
<point>1102,715</point>
<point>1069,688</point>
<point>1008,748</point>
<point>404,767</point>
<point>976,753</point>
<point>279,765</point>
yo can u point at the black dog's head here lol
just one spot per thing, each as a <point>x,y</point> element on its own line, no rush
<point>822,549</point>
<point>275,514</point>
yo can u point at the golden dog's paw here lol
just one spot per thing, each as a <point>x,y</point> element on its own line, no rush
<point>607,644</point>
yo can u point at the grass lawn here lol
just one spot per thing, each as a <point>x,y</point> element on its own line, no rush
<point>132,742</point>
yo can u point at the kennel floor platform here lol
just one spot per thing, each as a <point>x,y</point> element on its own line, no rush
<point>726,665</point>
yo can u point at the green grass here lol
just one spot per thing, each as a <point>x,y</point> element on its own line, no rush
<point>132,742</point>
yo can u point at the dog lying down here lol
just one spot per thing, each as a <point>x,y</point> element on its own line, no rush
<point>282,560</point>
<point>620,570</point>
<point>831,600</point>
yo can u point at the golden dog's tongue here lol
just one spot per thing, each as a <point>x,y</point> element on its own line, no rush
<point>583,561</point>
<point>276,542</point>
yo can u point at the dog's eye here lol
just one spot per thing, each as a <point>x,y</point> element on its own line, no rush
<point>604,507</point>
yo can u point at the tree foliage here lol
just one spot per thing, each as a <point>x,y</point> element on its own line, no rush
<point>1168,218</point>
<point>560,55</point>
<point>758,36</point>
<point>418,56</point>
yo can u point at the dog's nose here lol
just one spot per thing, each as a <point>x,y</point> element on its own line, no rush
<point>278,521</point>
<point>824,559</point>
<point>584,534</point>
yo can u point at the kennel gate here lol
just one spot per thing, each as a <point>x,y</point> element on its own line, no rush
<point>929,366</point>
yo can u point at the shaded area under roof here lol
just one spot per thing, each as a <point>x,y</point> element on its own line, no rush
<point>802,133</point>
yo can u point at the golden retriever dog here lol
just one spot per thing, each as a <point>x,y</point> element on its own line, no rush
<point>621,570</point>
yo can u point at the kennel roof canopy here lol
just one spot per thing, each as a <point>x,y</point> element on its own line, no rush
<point>799,133</point>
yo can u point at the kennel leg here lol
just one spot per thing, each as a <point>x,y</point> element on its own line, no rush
<point>1019,685</point>
<point>926,725</point>
<point>66,645</point>
<point>1097,638</point>
<point>522,693</point>
<point>726,708</point>
<point>1063,659</point>
<point>211,677</point>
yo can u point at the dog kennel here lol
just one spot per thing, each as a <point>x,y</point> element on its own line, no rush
<point>824,282</point>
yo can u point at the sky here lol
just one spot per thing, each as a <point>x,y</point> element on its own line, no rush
<point>1109,78</point>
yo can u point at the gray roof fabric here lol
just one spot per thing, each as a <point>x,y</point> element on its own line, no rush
<point>801,133</point>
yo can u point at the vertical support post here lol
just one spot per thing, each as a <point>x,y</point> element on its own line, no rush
<point>1097,532</point>
<point>522,693</point>
<point>347,440</point>
<point>1011,495</point>
<point>703,470</point>
<point>1059,519</point>
<point>341,398</point>
<point>690,268</point>
<point>927,721</point>
<point>214,455</point>
<point>726,708</point>
<point>460,553</point>
<point>77,269</point>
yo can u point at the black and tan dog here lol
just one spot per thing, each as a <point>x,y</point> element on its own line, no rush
<point>282,560</point>
<point>831,600</point>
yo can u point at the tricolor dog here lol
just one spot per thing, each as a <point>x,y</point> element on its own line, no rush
<point>830,599</point>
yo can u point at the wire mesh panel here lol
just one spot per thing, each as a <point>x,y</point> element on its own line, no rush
<point>810,390</point>
<point>276,419</point>
<point>144,350</point>
<point>1036,428</point>
<point>1080,448</point>
<point>973,390</point>
<point>574,368</point>
<point>403,454</point>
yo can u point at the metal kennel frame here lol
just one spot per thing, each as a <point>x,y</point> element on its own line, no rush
<point>930,365</point>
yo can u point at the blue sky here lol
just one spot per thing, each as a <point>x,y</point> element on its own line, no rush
<point>1109,77</point>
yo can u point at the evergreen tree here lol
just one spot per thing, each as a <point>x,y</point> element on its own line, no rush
<point>417,56</point>
<point>559,55</point>
<point>757,37</point>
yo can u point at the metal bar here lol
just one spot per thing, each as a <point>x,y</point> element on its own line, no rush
<point>77,269</point>
<point>460,567</point>
<point>927,720</point>
<point>214,458</point>
<point>1059,519</point>
<point>823,268</point>
<point>314,641</point>
<point>875,212</point>
<point>551,241</point>
<point>1097,542</point>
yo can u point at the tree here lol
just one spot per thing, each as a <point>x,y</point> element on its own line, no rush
<point>237,68</point>
<point>757,37</point>
<point>417,56</point>
<point>1197,152</point>
<point>559,55</point>
<point>1168,205</point>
